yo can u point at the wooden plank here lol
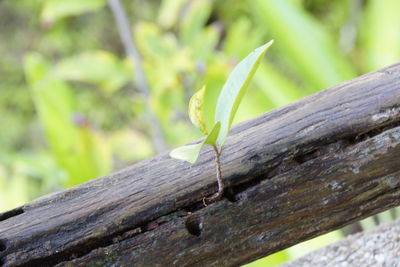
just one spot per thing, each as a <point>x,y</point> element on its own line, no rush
<point>298,171</point>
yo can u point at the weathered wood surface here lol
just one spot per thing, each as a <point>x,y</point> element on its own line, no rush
<point>296,172</point>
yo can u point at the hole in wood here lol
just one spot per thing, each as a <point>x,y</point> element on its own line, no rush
<point>194,225</point>
<point>2,245</point>
<point>229,194</point>
<point>353,140</point>
<point>255,157</point>
<point>11,213</point>
<point>307,156</point>
<point>372,133</point>
<point>150,226</point>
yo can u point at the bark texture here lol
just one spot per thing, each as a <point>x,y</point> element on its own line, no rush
<point>291,174</point>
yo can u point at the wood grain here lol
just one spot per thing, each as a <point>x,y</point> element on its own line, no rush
<point>293,173</point>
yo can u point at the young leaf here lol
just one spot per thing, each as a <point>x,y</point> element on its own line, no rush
<point>196,110</point>
<point>212,137</point>
<point>235,88</point>
<point>190,153</point>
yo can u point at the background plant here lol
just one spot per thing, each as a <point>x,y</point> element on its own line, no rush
<point>96,114</point>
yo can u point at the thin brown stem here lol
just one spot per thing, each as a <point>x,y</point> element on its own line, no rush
<point>218,195</point>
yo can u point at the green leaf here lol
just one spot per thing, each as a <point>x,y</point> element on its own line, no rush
<point>196,110</point>
<point>190,153</point>
<point>194,20</point>
<point>233,44</point>
<point>215,77</point>
<point>212,137</point>
<point>78,150</point>
<point>317,60</point>
<point>235,88</point>
<point>100,68</point>
<point>169,12</point>
<point>271,260</point>
<point>380,40</point>
<point>306,247</point>
<point>57,9</point>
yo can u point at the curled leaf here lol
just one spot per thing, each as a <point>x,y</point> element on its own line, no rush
<point>196,110</point>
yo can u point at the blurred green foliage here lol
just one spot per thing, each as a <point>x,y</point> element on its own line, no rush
<point>76,148</point>
<point>69,109</point>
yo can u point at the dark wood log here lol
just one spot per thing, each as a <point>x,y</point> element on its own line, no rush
<point>291,174</point>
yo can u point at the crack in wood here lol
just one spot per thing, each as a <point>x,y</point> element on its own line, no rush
<point>11,213</point>
<point>373,132</point>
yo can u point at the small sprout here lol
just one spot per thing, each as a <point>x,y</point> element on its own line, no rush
<point>228,102</point>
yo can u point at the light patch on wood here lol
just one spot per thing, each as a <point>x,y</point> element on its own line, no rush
<point>310,128</point>
<point>385,115</point>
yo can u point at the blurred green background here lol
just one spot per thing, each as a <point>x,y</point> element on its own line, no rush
<point>71,109</point>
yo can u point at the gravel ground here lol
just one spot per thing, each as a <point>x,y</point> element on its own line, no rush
<point>378,247</point>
